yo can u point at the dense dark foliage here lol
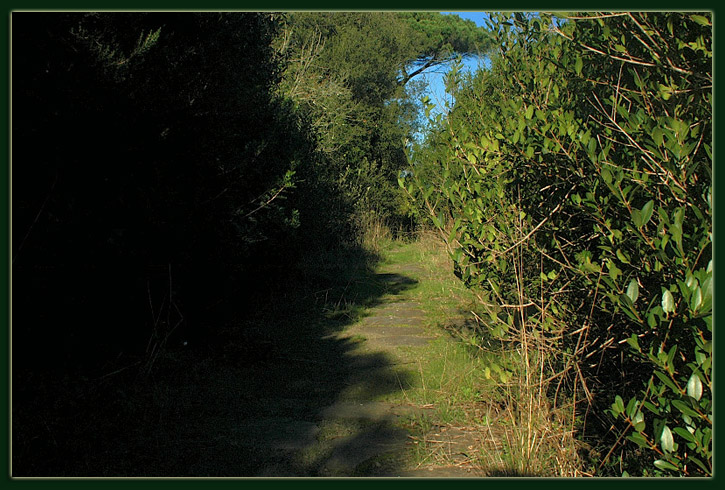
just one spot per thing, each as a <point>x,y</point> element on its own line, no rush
<point>141,144</point>
<point>171,170</point>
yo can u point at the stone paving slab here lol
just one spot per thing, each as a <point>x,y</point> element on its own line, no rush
<point>403,341</point>
<point>393,320</point>
<point>402,310</point>
<point>388,330</point>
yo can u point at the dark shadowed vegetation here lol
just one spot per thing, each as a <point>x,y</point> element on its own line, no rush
<point>173,176</point>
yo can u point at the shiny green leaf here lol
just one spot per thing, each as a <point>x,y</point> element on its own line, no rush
<point>664,465</point>
<point>647,212</point>
<point>668,302</point>
<point>702,20</point>
<point>694,387</point>
<point>633,290</point>
<point>666,440</point>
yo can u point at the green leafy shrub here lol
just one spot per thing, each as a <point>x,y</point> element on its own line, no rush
<point>572,181</point>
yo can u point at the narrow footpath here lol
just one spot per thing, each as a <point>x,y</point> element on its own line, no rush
<point>351,374</point>
<point>366,430</point>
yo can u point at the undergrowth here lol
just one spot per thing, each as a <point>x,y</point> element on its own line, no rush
<point>479,386</point>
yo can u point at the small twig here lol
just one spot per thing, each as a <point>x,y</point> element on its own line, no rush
<point>118,371</point>
<point>37,217</point>
<point>528,235</point>
<point>268,202</point>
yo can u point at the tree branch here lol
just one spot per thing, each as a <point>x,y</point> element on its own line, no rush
<point>433,61</point>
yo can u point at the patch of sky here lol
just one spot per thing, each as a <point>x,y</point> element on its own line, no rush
<point>434,79</point>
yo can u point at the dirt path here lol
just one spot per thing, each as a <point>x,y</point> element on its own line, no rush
<point>358,434</point>
<point>319,383</point>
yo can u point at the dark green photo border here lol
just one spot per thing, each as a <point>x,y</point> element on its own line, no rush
<point>190,5</point>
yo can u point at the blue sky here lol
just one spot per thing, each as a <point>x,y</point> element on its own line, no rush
<point>436,90</point>
<point>477,17</point>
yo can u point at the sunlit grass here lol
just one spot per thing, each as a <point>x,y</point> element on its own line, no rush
<point>467,379</point>
<point>463,380</point>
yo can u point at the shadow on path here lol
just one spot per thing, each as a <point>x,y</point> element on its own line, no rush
<point>280,391</point>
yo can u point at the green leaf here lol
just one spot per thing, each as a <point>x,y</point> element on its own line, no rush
<point>638,439</point>
<point>694,387</point>
<point>632,407</point>
<point>706,295</point>
<point>671,357</point>
<point>652,408</point>
<point>666,440</point>
<point>626,301</point>
<point>622,257</point>
<point>668,302</point>
<point>618,405</point>
<point>665,91</point>
<point>614,271</point>
<point>592,148</point>
<point>651,319</point>
<point>667,381</point>
<point>664,465</point>
<point>684,433</point>
<point>702,20</point>
<point>700,464</point>
<point>607,175</point>
<point>634,343</point>
<point>578,64</point>
<point>683,408</point>
<point>696,299</point>
<point>647,212</point>
<point>530,111</point>
<point>633,290</point>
